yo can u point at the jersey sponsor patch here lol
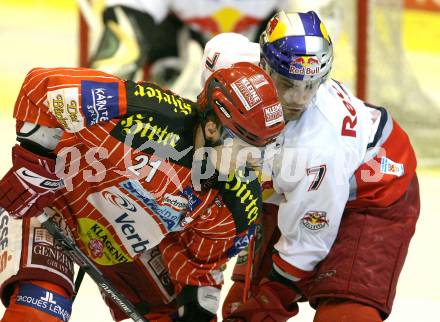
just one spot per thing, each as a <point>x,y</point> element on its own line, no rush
<point>156,96</point>
<point>246,92</point>
<point>169,216</point>
<point>64,105</point>
<point>103,248</point>
<point>135,227</point>
<point>100,101</point>
<point>153,263</point>
<point>177,202</point>
<point>138,128</point>
<point>243,255</point>
<point>185,222</point>
<point>242,197</point>
<point>388,166</point>
<point>315,220</point>
<point>193,200</point>
<point>45,301</point>
<point>241,242</point>
<point>10,245</point>
<point>273,114</point>
<point>45,253</point>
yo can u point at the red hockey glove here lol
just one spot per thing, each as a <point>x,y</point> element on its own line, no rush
<point>272,301</point>
<point>234,298</point>
<point>29,185</point>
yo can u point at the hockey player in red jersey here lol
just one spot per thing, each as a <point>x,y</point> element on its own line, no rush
<point>344,190</point>
<point>124,190</point>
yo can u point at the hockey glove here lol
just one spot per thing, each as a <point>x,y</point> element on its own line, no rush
<point>272,301</point>
<point>29,185</point>
<point>198,303</point>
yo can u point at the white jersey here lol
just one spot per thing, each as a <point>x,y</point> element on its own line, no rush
<point>210,17</point>
<point>341,153</point>
<point>320,152</point>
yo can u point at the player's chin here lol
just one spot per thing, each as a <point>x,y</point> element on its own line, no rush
<point>291,114</point>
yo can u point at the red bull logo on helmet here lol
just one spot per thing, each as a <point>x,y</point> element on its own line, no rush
<point>276,29</point>
<point>305,65</point>
<point>272,24</point>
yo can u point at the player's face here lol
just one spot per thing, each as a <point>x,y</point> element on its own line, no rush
<point>235,152</point>
<point>294,95</point>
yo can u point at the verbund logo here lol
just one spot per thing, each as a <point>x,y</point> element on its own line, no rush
<point>135,227</point>
<point>100,101</point>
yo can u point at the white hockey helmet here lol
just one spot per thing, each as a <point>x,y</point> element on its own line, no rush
<point>226,49</point>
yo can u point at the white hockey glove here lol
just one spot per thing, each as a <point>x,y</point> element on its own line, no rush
<point>198,303</point>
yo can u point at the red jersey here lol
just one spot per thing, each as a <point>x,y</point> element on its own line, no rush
<point>128,150</point>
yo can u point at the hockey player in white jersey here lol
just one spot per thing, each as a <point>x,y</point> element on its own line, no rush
<point>344,183</point>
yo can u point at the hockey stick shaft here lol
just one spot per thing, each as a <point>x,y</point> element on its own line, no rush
<point>87,265</point>
<point>249,268</point>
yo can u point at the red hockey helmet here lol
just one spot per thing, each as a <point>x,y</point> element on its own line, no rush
<point>245,100</point>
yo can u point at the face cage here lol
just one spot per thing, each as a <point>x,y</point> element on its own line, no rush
<point>297,92</point>
<point>259,153</point>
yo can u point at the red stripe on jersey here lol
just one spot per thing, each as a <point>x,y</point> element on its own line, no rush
<point>194,256</point>
<point>288,268</point>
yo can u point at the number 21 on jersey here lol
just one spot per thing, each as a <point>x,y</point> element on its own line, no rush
<point>144,161</point>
